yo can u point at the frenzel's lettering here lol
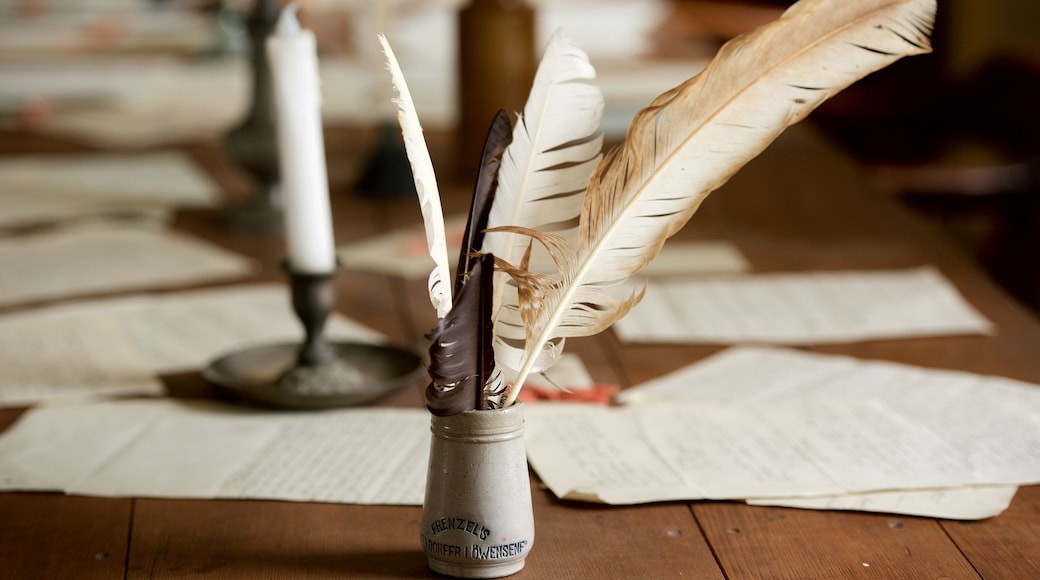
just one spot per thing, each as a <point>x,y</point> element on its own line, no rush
<point>439,549</point>
<point>495,552</point>
<point>476,529</point>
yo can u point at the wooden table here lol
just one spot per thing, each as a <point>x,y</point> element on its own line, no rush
<point>800,206</point>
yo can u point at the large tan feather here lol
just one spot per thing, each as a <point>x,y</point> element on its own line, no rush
<point>693,138</point>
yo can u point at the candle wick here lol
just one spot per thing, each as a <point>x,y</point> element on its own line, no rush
<point>288,25</point>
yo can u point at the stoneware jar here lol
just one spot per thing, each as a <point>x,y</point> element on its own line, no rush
<point>477,519</point>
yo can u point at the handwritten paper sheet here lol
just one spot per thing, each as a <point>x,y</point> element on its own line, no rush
<point>36,189</point>
<point>82,260</point>
<point>762,375</point>
<point>793,449</point>
<point>68,86</point>
<point>784,428</point>
<point>48,360</point>
<point>956,503</point>
<point>183,331</point>
<point>403,253</point>
<point>182,449</point>
<point>802,308</point>
<point>759,374</point>
<point>41,209</point>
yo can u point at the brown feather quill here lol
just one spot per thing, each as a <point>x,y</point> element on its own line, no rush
<point>461,357</point>
<point>499,136</point>
<point>461,353</point>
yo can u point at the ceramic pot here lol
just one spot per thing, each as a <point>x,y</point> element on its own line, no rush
<point>477,519</point>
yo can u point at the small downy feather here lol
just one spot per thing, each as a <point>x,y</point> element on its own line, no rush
<point>556,144</point>
<point>461,360</point>
<point>693,138</point>
<point>425,184</point>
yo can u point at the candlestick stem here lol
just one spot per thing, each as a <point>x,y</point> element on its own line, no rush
<point>253,142</point>
<point>313,299</point>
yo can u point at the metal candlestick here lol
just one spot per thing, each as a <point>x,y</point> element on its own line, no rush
<point>315,373</point>
<point>313,298</point>
<point>253,144</point>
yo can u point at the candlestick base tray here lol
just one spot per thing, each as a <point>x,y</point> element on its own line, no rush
<point>271,376</point>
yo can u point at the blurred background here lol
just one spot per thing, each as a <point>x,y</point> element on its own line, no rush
<point>952,134</point>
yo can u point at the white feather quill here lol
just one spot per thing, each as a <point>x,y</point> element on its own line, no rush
<point>541,182</point>
<point>425,185</point>
<point>691,139</point>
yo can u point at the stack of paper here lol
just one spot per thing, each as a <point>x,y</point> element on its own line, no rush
<point>783,427</point>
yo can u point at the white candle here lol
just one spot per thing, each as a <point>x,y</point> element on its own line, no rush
<point>293,56</point>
